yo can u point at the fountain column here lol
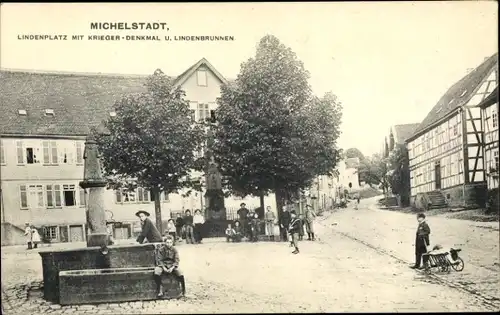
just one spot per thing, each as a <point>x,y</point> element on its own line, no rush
<point>95,184</point>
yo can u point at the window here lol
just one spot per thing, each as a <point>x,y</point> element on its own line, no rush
<point>142,195</point>
<point>203,112</point>
<point>69,194</point>
<point>50,152</point>
<point>82,197</point>
<point>192,114</point>
<point>24,197</point>
<point>66,155</point>
<point>79,153</point>
<point>35,196</point>
<point>455,130</point>
<point>494,117</point>
<point>201,76</point>
<point>53,194</point>
<point>50,232</point>
<point>2,153</point>
<point>125,196</point>
<point>20,152</point>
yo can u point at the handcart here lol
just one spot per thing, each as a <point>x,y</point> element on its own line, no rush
<point>443,261</point>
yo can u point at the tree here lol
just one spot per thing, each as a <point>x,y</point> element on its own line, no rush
<point>272,134</point>
<point>354,153</point>
<point>375,171</point>
<point>399,178</point>
<point>151,141</point>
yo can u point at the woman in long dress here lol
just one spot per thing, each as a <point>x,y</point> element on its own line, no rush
<point>35,237</point>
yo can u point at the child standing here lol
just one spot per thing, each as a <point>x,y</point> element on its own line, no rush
<point>230,233</point>
<point>179,224</point>
<point>301,227</point>
<point>171,229</point>
<point>293,229</point>
<point>167,261</point>
<point>254,227</point>
<point>270,218</point>
<point>35,236</point>
<point>421,240</point>
<point>188,227</point>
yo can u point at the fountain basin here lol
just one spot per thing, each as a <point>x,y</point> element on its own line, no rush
<point>113,285</point>
<point>119,256</point>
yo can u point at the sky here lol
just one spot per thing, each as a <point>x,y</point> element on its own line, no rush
<point>388,62</point>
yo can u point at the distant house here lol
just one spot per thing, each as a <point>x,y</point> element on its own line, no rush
<point>446,150</point>
<point>398,135</point>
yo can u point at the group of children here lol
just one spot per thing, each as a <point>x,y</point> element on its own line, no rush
<point>188,226</point>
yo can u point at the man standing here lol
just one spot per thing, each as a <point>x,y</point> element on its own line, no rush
<point>310,216</point>
<point>27,233</point>
<point>243,218</point>
<point>285,219</point>
<point>270,218</point>
<point>149,230</point>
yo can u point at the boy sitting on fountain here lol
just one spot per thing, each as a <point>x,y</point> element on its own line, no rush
<point>167,261</point>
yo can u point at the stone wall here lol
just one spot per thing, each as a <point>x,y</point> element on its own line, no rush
<point>470,196</point>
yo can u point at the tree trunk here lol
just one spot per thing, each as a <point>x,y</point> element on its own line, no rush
<point>262,206</point>
<point>280,197</point>
<point>157,194</point>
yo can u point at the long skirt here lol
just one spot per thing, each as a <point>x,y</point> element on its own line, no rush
<point>198,229</point>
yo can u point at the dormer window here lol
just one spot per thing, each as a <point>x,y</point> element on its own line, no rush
<point>463,93</point>
<point>49,112</point>
<point>22,112</point>
<point>112,114</point>
<point>201,77</point>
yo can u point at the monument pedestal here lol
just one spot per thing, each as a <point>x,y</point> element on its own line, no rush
<point>97,239</point>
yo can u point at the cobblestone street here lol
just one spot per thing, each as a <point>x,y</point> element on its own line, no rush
<point>335,274</point>
<point>393,233</point>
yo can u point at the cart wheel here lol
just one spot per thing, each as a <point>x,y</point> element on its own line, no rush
<point>458,265</point>
<point>427,268</point>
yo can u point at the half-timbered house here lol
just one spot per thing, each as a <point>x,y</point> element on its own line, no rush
<point>446,150</point>
<point>489,113</point>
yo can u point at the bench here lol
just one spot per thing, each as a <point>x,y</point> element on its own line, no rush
<point>113,285</point>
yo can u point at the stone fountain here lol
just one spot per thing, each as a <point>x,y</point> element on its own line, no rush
<point>100,272</point>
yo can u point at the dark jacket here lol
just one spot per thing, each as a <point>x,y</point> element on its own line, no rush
<point>242,214</point>
<point>179,222</point>
<point>237,230</point>
<point>285,219</point>
<point>294,226</point>
<point>188,220</point>
<point>301,226</point>
<point>423,232</point>
<point>149,232</point>
<point>167,257</point>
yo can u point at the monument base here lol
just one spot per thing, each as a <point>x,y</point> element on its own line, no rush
<point>122,256</point>
<point>113,286</point>
<point>97,239</point>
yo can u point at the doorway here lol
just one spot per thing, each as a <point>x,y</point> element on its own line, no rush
<point>437,173</point>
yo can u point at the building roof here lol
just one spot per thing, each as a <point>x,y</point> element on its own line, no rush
<point>403,132</point>
<point>457,95</point>
<point>491,99</point>
<point>352,162</point>
<point>189,72</point>
<point>80,101</point>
